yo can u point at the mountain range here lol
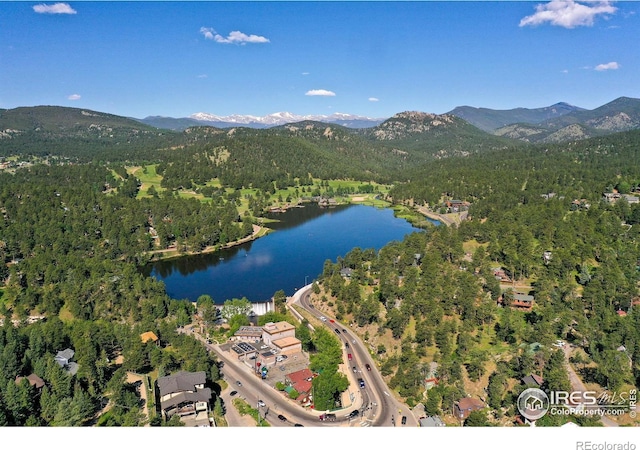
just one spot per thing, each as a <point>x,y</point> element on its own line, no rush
<point>559,122</point>
<point>270,120</point>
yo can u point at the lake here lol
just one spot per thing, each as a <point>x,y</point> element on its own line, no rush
<point>288,258</point>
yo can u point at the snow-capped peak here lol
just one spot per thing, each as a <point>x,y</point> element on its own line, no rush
<point>277,118</point>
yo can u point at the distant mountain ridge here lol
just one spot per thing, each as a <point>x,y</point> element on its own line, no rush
<point>492,119</point>
<point>270,120</point>
<point>557,123</point>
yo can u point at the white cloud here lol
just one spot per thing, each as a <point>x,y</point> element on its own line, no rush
<point>235,37</point>
<point>374,99</point>
<point>320,92</point>
<point>305,73</point>
<point>203,75</point>
<point>569,13</point>
<point>57,8</point>
<point>74,97</point>
<point>608,66</point>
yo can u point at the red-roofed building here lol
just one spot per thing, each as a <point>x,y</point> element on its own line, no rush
<point>301,381</point>
<point>465,406</point>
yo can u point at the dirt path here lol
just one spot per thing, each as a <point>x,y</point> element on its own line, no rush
<point>257,232</point>
<point>446,219</point>
<point>578,386</point>
<point>132,378</point>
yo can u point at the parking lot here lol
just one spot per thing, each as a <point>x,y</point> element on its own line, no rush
<point>278,369</point>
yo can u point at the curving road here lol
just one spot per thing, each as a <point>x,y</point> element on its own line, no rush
<point>378,407</point>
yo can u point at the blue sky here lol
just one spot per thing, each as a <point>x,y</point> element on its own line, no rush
<point>369,58</point>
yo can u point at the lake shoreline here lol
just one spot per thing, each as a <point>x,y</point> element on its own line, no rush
<point>172,253</point>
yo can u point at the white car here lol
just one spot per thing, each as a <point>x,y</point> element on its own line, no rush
<point>323,318</point>
<point>261,404</point>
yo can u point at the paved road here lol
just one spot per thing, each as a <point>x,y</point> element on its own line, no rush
<point>379,406</point>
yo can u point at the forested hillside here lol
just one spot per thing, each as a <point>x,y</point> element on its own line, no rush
<point>539,219</point>
<point>76,227</point>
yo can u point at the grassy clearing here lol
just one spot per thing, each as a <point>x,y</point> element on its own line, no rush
<point>244,408</point>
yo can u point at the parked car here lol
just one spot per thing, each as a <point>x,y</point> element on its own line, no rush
<point>281,417</point>
<point>238,383</point>
<point>354,413</point>
<point>368,367</point>
<point>262,347</point>
<point>404,420</point>
<point>232,393</point>
<point>298,425</point>
<point>327,417</point>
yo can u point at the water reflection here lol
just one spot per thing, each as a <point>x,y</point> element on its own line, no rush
<point>304,239</point>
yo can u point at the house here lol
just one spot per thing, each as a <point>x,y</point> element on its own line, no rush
<point>346,272</point>
<point>621,313</point>
<point>631,199</point>
<point>533,380</point>
<point>184,393</point>
<point>501,275</point>
<point>457,205</point>
<point>521,302</point>
<point>247,334</point>
<point>465,406</point>
<point>34,380</point>
<point>431,421</point>
<point>149,336</point>
<point>301,381</point>
<point>64,359</point>
<point>582,203</point>
<point>611,197</point>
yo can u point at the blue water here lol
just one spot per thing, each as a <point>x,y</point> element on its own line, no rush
<point>286,259</point>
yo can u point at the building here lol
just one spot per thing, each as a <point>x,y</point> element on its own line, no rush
<point>465,406</point>
<point>282,336</point>
<point>346,272</point>
<point>533,380</point>
<point>244,351</point>
<point>247,334</point>
<point>521,302</point>
<point>34,380</point>
<point>149,336</point>
<point>64,358</point>
<point>301,381</point>
<point>288,345</point>
<point>431,421</point>
<point>184,393</point>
